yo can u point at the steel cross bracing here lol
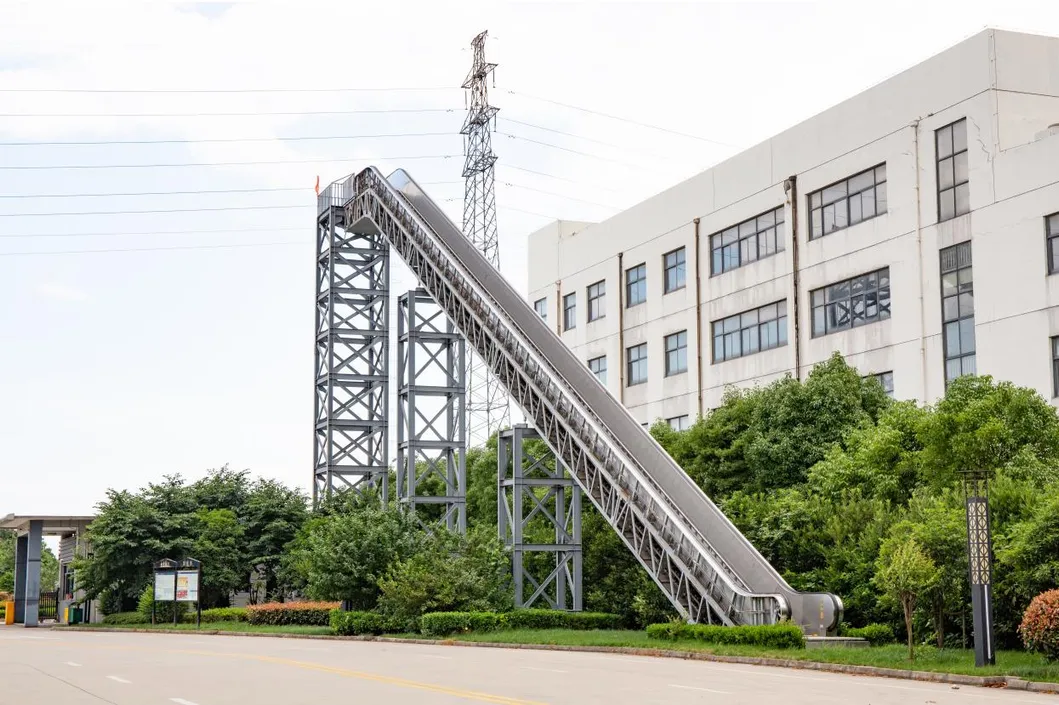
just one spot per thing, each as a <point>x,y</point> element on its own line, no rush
<point>350,438</point>
<point>549,570</point>
<point>678,557</point>
<point>431,413</point>
<point>489,405</point>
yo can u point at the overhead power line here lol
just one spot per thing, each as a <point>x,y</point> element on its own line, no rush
<point>156,249</point>
<point>226,140</point>
<point>183,91</point>
<point>40,167</point>
<point>240,114</point>
<point>142,233</point>
<point>307,204</point>
<point>184,193</point>
<point>619,118</point>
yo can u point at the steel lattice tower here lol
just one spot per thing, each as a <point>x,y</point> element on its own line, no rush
<point>350,429</point>
<point>488,402</point>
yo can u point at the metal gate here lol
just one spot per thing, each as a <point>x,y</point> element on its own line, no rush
<point>48,606</point>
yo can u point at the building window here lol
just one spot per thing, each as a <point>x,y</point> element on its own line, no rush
<point>847,202</point>
<point>957,311</point>
<point>598,367</point>
<point>886,379</point>
<point>570,311</point>
<point>678,423</point>
<point>1055,366</point>
<point>635,285</point>
<point>676,353</point>
<point>954,195</point>
<point>541,307</point>
<point>597,299</point>
<point>636,362</point>
<point>747,242</point>
<point>851,303</point>
<point>675,269</point>
<point>1051,230</point>
<point>746,333</point>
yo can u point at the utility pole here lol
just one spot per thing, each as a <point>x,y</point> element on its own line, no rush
<point>488,402</point>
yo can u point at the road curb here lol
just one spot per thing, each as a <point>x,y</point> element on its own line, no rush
<point>954,679</point>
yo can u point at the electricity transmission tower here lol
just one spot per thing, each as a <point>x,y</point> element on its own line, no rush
<point>488,402</point>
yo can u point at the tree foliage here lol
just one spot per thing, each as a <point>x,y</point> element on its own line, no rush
<point>905,574</point>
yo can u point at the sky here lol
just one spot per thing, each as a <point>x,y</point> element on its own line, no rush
<point>139,344</point>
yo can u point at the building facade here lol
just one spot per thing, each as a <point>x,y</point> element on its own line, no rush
<point>914,228</point>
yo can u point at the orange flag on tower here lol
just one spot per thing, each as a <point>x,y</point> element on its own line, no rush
<point>317,184</point>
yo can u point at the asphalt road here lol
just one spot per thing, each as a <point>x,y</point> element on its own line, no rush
<point>45,667</point>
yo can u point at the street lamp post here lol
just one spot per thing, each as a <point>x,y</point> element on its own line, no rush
<point>980,562</point>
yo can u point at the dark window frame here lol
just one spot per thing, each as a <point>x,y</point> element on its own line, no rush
<point>721,242</point>
<point>881,377</point>
<point>600,369</point>
<point>960,302</point>
<point>633,363</point>
<point>685,417</point>
<point>818,205</point>
<point>1051,238</point>
<point>846,291</point>
<point>541,307</point>
<point>569,311</point>
<point>640,269</point>
<point>731,329</point>
<point>940,135</point>
<point>679,267</point>
<point>672,371</point>
<point>1054,341</point>
<point>600,295</point>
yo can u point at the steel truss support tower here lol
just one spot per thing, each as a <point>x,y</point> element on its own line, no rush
<point>539,501</point>
<point>350,445</point>
<point>489,407</point>
<point>431,413</point>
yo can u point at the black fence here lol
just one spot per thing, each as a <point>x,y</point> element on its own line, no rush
<point>48,607</point>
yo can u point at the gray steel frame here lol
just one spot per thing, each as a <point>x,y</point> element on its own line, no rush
<point>543,484</point>
<point>350,430</point>
<point>431,409</point>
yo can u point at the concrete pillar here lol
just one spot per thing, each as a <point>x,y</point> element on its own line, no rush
<point>36,530</point>
<point>20,578</point>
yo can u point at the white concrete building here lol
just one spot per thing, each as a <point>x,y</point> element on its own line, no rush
<point>857,230</point>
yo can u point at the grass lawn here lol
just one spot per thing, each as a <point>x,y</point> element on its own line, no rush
<point>1009,663</point>
<point>234,627</point>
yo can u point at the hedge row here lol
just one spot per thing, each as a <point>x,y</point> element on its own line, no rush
<point>446,623</point>
<point>876,634</point>
<point>360,623</point>
<point>773,636</point>
<point>288,613</point>
<point>123,618</point>
<point>222,614</point>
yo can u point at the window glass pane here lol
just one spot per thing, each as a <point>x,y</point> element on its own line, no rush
<point>1053,251</point>
<point>966,305</point>
<point>730,235</point>
<point>766,220</point>
<point>959,166</point>
<point>718,262</point>
<point>946,205</point>
<point>952,369</point>
<point>861,181</point>
<point>816,298</point>
<point>952,339</point>
<point>855,213</point>
<point>751,317</point>
<point>951,308</point>
<point>838,291</point>
<point>963,199</point>
<point>945,174</point>
<point>718,347</point>
<point>880,173</point>
<point>880,198</point>
<point>967,335</point>
<point>818,321</point>
<point>834,193</point>
<point>817,224</point>
<point>748,249</point>
<point>959,136</point>
<point>867,200</point>
<point>731,256</point>
<point>814,200</point>
<point>1053,224</point>
<point>949,283</point>
<point>944,142</point>
<point>781,324</point>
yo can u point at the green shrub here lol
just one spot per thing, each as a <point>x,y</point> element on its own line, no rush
<point>287,613</point>
<point>773,636</point>
<point>163,611</point>
<point>221,614</point>
<point>1040,625</point>
<point>359,623</point>
<point>446,623</point>
<point>876,634</point>
<point>558,619</point>
<point>125,618</point>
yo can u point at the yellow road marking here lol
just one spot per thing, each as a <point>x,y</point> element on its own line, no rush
<point>361,675</point>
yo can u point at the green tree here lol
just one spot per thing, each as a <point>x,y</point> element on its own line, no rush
<point>343,555</point>
<point>1029,552</point>
<point>447,573</point>
<point>273,515</point>
<point>905,573</point>
<point>220,547</point>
